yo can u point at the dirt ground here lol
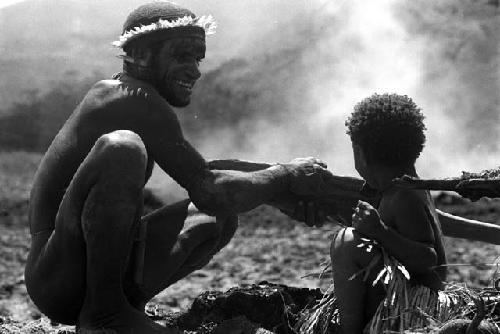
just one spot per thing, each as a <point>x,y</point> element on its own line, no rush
<point>267,246</point>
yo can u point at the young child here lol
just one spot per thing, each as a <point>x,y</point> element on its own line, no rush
<point>387,134</point>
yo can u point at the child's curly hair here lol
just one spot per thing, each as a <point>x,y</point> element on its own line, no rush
<point>389,128</point>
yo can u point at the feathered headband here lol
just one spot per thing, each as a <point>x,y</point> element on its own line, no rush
<point>165,27</point>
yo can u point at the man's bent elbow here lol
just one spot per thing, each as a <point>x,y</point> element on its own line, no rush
<point>215,199</point>
<point>212,204</point>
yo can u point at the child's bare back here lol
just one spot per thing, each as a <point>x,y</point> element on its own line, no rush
<point>412,214</point>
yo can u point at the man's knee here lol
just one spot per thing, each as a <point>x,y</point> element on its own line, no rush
<point>224,227</point>
<point>209,231</point>
<point>122,148</point>
<point>227,229</point>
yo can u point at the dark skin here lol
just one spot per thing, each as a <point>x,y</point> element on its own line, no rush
<point>404,223</point>
<point>86,201</point>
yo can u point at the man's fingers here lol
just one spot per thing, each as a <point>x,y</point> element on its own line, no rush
<point>320,217</point>
<point>310,214</point>
<point>321,163</point>
<point>300,211</point>
<point>317,161</point>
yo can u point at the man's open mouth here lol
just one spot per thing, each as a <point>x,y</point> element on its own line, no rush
<point>185,84</point>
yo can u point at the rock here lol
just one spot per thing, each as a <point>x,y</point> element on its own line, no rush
<point>249,309</point>
<point>239,325</point>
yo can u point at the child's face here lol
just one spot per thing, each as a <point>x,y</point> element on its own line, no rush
<point>360,162</point>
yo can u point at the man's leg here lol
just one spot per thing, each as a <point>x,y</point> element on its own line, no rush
<point>86,256</point>
<point>357,299</point>
<point>180,239</point>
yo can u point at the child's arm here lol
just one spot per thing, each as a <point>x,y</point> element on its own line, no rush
<point>413,243</point>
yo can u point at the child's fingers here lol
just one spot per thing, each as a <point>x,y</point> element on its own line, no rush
<point>356,218</point>
<point>362,212</point>
<point>364,205</point>
<point>356,222</point>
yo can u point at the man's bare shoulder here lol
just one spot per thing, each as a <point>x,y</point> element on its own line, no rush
<point>125,94</point>
<point>126,104</point>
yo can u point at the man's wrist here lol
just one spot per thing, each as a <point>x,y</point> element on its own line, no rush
<point>281,175</point>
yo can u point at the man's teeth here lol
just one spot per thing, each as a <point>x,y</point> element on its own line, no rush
<point>184,84</point>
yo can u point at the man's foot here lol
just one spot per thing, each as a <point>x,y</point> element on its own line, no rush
<point>126,321</point>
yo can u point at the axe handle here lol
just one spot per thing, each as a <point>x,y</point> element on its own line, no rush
<point>458,227</point>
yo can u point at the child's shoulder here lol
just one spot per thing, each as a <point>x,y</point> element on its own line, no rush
<point>404,195</point>
<point>401,201</point>
<point>410,212</point>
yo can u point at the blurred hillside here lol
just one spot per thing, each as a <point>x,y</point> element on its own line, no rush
<point>41,40</point>
<point>236,93</point>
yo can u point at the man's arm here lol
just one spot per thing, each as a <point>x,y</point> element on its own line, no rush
<point>239,165</point>
<point>221,192</point>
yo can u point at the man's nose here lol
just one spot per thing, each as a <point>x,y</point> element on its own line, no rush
<point>194,71</point>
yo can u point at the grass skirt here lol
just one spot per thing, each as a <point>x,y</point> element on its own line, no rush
<point>406,308</point>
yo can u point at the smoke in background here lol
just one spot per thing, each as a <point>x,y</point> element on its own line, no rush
<point>331,54</point>
<point>461,80</point>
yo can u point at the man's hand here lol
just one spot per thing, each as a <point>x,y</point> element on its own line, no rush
<point>308,212</point>
<point>366,220</point>
<point>301,210</point>
<point>307,176</point>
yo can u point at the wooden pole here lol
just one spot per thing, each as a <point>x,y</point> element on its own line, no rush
<point>458,227</point>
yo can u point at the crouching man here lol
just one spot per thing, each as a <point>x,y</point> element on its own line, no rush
<point>86,201</point>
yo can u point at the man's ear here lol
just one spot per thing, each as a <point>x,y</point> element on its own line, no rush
<point>140,56</point>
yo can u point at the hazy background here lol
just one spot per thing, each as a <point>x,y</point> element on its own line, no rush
<point>280,77</point>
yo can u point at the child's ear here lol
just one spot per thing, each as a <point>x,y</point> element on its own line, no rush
<point>360,154</point>
<point>363,158</point>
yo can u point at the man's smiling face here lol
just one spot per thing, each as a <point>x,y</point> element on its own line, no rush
<point>176,68</point>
